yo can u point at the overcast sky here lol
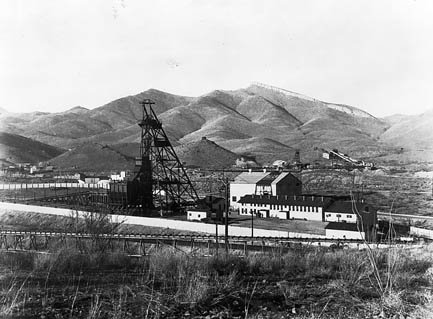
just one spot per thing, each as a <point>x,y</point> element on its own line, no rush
<point>376,55</point>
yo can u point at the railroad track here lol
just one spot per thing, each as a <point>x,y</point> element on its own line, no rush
<point>139,236</point>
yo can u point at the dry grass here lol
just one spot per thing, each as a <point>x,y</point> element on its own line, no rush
<point>307,283</point>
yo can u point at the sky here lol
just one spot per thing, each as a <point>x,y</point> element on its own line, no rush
<point>58,54</point>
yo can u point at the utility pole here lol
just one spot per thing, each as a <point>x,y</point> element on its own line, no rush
<point>252,224</point>
<point>226,183</point>
<point>216,237</point>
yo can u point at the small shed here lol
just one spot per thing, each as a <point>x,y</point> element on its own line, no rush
<point>197,214</point>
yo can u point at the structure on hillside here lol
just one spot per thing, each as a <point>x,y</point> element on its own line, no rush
<point>340,159</point>
<point>160,181</point>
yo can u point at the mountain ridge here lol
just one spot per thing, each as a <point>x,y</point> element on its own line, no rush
<point>259,119</point>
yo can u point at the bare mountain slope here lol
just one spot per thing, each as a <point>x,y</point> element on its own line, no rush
<point>94,157</point>
<point>258,120</point>
<point>205,153</point>
<point>411,132</point>
<point>18,149</point>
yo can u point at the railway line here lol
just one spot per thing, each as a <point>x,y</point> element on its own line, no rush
<point>136,243</point>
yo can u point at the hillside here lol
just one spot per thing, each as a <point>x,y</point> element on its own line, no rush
<point>411,132</point>
<point>94,157</point>
<point>259,120</point>
<point>18,149</point>
<point>413,135</point>
<point>206,154</point>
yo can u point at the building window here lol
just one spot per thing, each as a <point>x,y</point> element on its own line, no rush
<point>198,215</point>
<point>234,198</point>
<point>349,216</point>
<point>338,215</point>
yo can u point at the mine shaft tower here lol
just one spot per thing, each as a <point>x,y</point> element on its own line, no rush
<point>160,179</point>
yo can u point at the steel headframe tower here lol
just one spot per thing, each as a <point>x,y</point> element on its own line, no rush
<point>162,180</point>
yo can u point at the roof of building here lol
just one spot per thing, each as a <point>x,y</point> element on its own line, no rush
<point>347,207</point>
<point>286,200</point>
<point>342,226</point>
<point>282,176</point>
<point>261,178</point>
<point>250,177</point>
<point>268,179</point>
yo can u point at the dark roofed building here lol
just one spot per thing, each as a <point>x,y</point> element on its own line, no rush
<point>356,220</point>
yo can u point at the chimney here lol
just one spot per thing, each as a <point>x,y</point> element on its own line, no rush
<point>294,197</point>
<point>322,198</point>
<point>277,197</point>
<point>312,198</point>
<point>285,197</point>
<point>303,197</point>
<point>249,171</point>
<point>264,170</point>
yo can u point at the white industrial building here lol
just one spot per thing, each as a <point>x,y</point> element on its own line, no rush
<point>263,183</point>
<point>347,219</point>
<point>285,206</point>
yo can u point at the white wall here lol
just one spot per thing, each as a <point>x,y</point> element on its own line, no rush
<point>157,222</point>
<point>279,214</point>
<point>341,234</point>
<point>298,213</point>
<point>421,232</point>
<point>240,190</point>
<point>274,211</point>
<point>295,212</point>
